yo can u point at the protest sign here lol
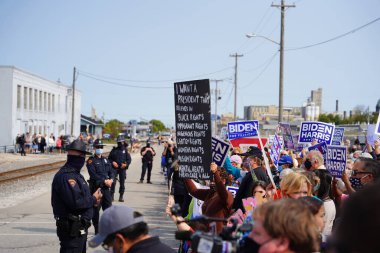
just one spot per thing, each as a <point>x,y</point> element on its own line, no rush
<point>338,136</point>
<point>321,147</point>
<point>371,134</point>
<point>336,159</point>
<point>193,132</point>
<point>242,129</point>
<point>377,129</point>
<point>287,135</point>
<point>245,143</point>
<point>271,137</point>
<point>275,150</point>
<point>219,151</point>
<point>233,190</point>
<point>312,130</point>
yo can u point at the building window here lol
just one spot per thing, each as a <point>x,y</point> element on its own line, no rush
<point>49,102</point>
<point>30,99</point>
<point>18,96</point>
<point>25,98</point>
<point>59,103</point>
<point>35,100</point>
<point>40,103</point>
<point>45,102</point>
<point>53,102</point>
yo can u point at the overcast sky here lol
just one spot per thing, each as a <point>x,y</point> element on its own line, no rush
<point>151,44</point>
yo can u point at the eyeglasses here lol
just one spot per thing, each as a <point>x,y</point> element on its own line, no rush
<point>355,173</point>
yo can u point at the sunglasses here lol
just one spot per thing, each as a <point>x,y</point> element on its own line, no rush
<point>355,173</point>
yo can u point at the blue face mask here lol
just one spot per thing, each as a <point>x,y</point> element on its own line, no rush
<point>356,183</point>
<point>98,151</point>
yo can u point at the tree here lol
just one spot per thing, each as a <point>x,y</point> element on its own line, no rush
<point>157,125</point>
<point>113,127</point>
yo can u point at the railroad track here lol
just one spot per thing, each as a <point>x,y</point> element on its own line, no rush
<point>27,172</point>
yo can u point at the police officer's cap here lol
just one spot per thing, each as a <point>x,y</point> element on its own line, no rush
<point>120,138</point>
<point>78,145</point>
<point>98,143</point>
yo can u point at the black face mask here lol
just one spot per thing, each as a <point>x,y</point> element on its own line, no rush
<point>307,164</point>
<point>75,161</point>
<point>119,144</point>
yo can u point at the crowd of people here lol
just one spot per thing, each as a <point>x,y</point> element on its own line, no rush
<point>42,143</point>
<point>305,210</point>
<point>299,207</point>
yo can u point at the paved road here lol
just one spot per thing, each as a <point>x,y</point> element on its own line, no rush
<point>30,227</point>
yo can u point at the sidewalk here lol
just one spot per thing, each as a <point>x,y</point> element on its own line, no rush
<point>11,161</point>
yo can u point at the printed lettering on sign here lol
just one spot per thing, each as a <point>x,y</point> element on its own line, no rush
<point>336,160</point>
<point>219,151</point>
<point>242,129</point>
<point>338,136</point>
<point>193,121</point>
<point>319,131</point>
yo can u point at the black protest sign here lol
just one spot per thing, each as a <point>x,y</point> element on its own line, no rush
<point>193,131</point>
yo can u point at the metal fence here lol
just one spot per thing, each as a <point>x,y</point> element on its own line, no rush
<point>8,149</point>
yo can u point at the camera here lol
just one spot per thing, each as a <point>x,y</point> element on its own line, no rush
<point>226,242</point>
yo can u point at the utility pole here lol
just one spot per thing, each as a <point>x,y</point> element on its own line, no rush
<point>216,104</point>
<point>236,55</point>
<point>73,103</point>
<point>281,88</point>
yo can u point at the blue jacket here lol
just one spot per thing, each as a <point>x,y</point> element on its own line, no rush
<point>71,194</point>
<point>231,169</point>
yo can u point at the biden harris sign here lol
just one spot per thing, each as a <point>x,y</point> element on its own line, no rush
<point>242,129</point>
<point>312,130</point>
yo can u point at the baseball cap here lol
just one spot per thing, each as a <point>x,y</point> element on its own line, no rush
<point>236,159</point>
<point>114,218</point>
<point>285,159</point>
<point>253,151</point>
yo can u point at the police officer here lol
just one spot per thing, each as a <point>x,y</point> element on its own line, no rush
<point>72,201</point>
<point>101,176</point>
<point>147,154</point>
<point>120,160</point>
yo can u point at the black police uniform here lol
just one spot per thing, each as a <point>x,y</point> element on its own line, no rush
<point>100,169</point>
<point>119,155</point>
<point>147,163</point>
<point>72,203</point>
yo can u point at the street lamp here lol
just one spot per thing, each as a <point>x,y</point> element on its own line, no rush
<point>281,82</point>
<point>253,35</point>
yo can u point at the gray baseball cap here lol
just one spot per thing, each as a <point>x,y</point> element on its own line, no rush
<point>114,218</point>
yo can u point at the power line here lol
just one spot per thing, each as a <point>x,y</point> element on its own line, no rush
<point>334,38</point>
<point>124,84</point>
<point>150,81</point>
<point>259,75</point>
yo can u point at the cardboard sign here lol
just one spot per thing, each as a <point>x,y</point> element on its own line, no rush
<point>233,190</point>
<point>377,129</point>
<point>287,135</point>
<point>312,130</point>
<point>336,160</point>
<point>372,135</point>
<point>275,150</point>
<point>219,150</point>
<point>245,143</point>
<point>193,131</point>
<point>321,147</point>
<point>338,136</point>
<point>242,129</point>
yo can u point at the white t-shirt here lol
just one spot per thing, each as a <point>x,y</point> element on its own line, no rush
<point>329,218</point>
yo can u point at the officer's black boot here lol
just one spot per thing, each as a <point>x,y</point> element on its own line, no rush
<point>121,197</point>
<point>112,196</point>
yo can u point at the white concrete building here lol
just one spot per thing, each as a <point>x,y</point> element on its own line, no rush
<point>30,103</point>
